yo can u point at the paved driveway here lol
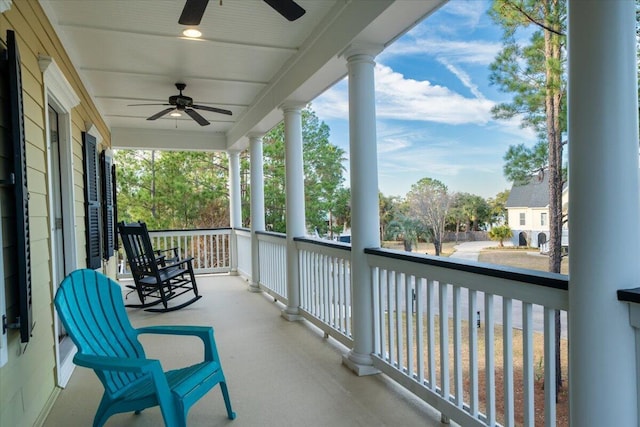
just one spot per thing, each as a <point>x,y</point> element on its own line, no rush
<point>470,251</point>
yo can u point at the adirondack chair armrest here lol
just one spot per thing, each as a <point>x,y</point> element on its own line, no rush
<point>120,364</point>
<point>205,333</point>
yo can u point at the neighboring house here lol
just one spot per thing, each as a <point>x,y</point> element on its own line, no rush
<point>528,213</point>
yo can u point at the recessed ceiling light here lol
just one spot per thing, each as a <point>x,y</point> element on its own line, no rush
<point>175,114</point>
<point>192,33</point>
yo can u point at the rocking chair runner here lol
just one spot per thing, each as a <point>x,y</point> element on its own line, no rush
<point>159,276</point>
<point>91,308</point>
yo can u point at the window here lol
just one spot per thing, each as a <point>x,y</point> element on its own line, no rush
<point>522,219</point>
<point>543,218</point>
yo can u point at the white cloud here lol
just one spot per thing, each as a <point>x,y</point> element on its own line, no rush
<point>476,52</point>
<point>407,99</point>
<point>463,77</point>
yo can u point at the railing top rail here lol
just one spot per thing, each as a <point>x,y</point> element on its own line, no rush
<point>540,278</point>
<point>320,242</point>
<point>190,230</point>
<point>629,295</point>
<point>272,234</point>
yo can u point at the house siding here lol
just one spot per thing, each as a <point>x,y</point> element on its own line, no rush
<point>28,380</point>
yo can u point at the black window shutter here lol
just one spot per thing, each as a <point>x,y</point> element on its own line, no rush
<point>92,202</point>
<point>114,192</point>
<point>21,191</point>
<point>108,210</point>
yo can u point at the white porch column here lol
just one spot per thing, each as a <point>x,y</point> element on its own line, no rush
<point>365,218</point>
<point>235,206</point>
<point>604,208</point>
<point>257,207</point>
<point>294,187</point>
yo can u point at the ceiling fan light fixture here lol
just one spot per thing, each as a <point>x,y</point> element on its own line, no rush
<point>175,114</point>
<point>192,33</point>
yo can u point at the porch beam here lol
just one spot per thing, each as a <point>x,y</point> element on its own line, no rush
<point>365,218</point>
<point>605,207</point>
<point>295,206</point>
<point>257,207</point>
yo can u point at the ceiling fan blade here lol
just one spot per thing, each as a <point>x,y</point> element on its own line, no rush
<point>139,105</point>
<point>161,113</point>
<point>192,12</point>
<point>287,8</point>
<point>197,117</point>
<point>213,109</point>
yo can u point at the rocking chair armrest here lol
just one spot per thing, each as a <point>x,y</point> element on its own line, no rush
<point>121,364</point>
<point>170,254</point>
<point>205,333</point>
<point>176,263</point>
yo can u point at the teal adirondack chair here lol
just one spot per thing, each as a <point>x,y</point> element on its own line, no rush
<point>91,308</point>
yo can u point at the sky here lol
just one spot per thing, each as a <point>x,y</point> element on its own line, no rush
<point>433,106</point>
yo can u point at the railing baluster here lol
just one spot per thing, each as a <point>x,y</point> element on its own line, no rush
<point>304,291</point>
<point>377,309</point>
<point>399,332</point>
<point>431,330</point>
<point>420,328</point>
<point>507,354</point>
<point>457,347</point>
<point>343,296</point>
<point>444,340</point>
<point>316,285</point>
<point>489,360</point>
<point>409,321</point>
<point>336,294</point>
<point>390,317</point>
<point>549,367</point>
<point>528,367</point>
<point>327,285</point>
<point>383,290</point>
<point>474,406</point>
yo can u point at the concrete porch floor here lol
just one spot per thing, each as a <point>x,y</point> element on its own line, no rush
<point>279,373</point>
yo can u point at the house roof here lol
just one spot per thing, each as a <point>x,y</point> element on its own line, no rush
<point>534,194</point>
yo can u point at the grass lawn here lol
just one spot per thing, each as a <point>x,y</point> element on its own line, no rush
<point>521,259</point>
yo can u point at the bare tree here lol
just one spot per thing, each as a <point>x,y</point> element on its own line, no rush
<point>429,203</point>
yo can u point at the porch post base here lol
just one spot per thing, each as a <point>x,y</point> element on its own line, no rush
<point>292,315</point>
<point>361,365</point>
<point>254,287</point>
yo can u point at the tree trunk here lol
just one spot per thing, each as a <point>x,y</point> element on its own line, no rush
<point>437,245</point>
<point>153,183</point>
<point>553,103</point>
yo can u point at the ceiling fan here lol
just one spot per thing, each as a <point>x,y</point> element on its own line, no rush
<point>194,9</point>
<point>184,103</point>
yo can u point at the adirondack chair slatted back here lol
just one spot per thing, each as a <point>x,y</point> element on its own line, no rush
<point>96,328</point>
<point>135,238</point>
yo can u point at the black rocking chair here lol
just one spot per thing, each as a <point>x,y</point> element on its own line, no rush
<point>159,275</point>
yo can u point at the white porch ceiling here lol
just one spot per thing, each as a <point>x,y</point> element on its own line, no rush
<point>250,60</point>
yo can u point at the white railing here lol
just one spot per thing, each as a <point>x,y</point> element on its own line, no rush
<point>426,317</point>
<point>273,264</point>
<point>208,247</point>
<point>243,237</point>
<point>325,286</point>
